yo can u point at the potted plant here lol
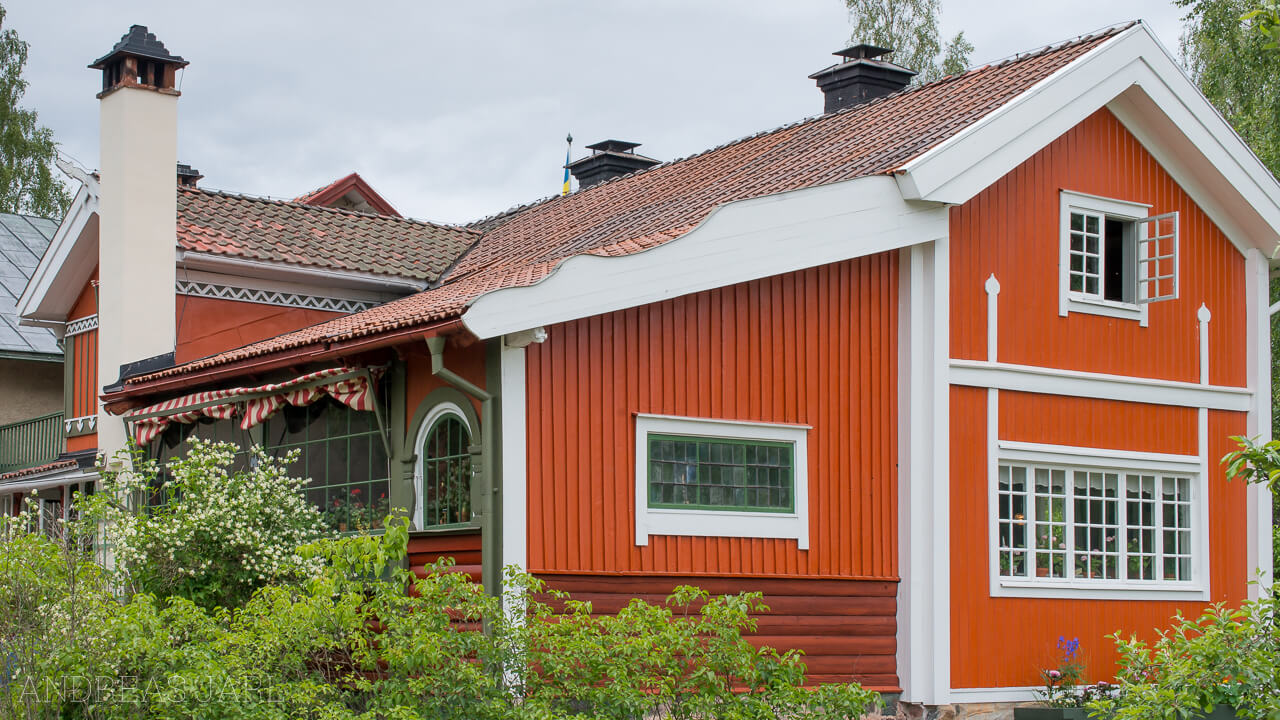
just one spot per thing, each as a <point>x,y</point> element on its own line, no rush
<point>1063,697</point>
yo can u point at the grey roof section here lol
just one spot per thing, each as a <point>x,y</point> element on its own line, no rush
<point>23,239</point>
<point>141,43</point>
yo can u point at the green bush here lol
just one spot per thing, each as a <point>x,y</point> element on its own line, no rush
<point>341,631</point>
<point>214,534</point>
<point>1225,657</point>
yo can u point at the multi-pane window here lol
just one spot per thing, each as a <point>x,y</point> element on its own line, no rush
<point>1115,256</point>
<point>445,458</point>
<point>341,452</point>
<point>1060,523</point>
<point>720,474</point>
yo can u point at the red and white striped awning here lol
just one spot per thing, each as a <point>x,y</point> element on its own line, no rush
<point>352,387</point>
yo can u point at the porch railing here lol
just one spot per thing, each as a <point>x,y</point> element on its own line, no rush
<point>32,442</point>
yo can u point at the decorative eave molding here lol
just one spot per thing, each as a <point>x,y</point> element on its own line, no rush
<point>272,297</point>
<point>81,325</point>
<point>80,425</point>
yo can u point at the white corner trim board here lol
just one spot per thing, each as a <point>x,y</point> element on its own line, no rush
<point>1134,76</point>
<point>1053,381</point>
<point>722,523</point>
<point>515,459</point>
<point>740,241</point>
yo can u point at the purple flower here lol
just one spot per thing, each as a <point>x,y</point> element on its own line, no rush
<point>1054,675</point>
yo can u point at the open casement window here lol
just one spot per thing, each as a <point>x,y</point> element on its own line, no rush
<point>720,478</point>
<point>1065,526</point>
<point>1158,258</point>
<point>1115,258</point>
<point>444,470</point>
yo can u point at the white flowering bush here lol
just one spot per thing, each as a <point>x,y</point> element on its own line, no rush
<point>216,535</point>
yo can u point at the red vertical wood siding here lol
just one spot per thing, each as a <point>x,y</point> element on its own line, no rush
<point>206,326</point>
<point>1012,229</point>
<point>815,347</point>
<point>82,352</point>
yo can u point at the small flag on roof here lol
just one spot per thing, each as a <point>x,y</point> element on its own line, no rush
<point>568,139</point>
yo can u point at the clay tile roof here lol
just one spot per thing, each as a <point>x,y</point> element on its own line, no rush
<point>274,230</point>
<point>647,208</point>
<point>38,470</point>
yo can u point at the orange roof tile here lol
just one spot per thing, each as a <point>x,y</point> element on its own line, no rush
<point>311,235</point>
<point>38,470</point>
<point>653,206</point>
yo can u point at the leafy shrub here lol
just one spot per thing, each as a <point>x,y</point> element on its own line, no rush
<point>1226,657</point>
<point>359,636</point>
<point>215,534</point>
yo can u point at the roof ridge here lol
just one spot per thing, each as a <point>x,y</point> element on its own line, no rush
<point>324,208</point>
<point>1002,62</point>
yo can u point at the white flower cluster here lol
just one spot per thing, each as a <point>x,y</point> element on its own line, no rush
<point>215,525</point>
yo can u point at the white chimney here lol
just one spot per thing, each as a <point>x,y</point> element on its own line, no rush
<point>137,210</point>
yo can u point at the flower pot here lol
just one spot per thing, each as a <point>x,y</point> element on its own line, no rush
<point>1048,713</point>
<point>342,527</point>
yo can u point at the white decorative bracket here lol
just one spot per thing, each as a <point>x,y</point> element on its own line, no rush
<point>992,287</point>
<point>524,338</point>
<point>1203,315</point>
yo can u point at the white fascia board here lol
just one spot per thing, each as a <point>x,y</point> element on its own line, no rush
<point>66,265</point>
<point>1134,76</point>
<point>1054,381</point>
<point>300,274</point>
<point>740,241</point>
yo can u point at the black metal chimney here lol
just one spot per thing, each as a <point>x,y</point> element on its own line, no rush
<point>861,77</point>
<point>609,159</point>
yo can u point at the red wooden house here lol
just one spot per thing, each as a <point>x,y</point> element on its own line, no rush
<point>945,371</point>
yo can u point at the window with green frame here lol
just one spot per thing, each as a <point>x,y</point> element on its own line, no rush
<point>689,472</point>
<point>341,451</point>
<point>446,472</point>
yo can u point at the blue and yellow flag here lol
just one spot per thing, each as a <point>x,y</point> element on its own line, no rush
<point>568,139</point>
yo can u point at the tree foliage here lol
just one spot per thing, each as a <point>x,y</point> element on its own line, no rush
<point>28,183</point>
<point>910,29</point>
<point>1229,60</point>
<point>353,634</point>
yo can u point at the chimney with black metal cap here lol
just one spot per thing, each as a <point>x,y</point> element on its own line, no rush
<point>861,77</point>
<point>138,115</point>
<point>609,159</point>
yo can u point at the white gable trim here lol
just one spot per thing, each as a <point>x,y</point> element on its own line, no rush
<point>738,242</point>
<point>67,263</point>
<point>1133,76</point>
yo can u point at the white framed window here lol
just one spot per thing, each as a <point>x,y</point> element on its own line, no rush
<point>1116,258</point>
<point>1087,522</point>
<point>721,478</point>
<point>443,471</point>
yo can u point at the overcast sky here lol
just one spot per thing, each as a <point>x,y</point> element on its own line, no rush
<point>456,110</point>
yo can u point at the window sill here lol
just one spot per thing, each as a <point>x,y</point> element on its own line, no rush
<point>1085,590</point>
<point>1106,308</point>
<point>716,523</point>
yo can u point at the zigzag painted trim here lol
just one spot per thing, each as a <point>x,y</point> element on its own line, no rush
<point>272,297</point>
<point>87,423</point>
<point>81,325</point>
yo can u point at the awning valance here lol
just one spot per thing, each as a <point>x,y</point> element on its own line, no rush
<point>352,387</point>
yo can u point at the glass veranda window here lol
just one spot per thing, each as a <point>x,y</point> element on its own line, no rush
<point>446,473</point>
<point>1093,525</point>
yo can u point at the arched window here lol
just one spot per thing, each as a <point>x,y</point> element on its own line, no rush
<point>443,472</point>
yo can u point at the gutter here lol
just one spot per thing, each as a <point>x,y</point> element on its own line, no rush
<point>490,498</point>
<point>130,396</point>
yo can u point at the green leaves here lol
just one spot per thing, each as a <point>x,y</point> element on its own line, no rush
<point>910,29</point>
<point>27,149</point>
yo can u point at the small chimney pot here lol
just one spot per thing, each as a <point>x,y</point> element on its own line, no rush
<point>609,159</point>
<point>860,78</point>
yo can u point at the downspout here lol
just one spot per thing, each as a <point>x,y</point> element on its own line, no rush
<point>491,571</point>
